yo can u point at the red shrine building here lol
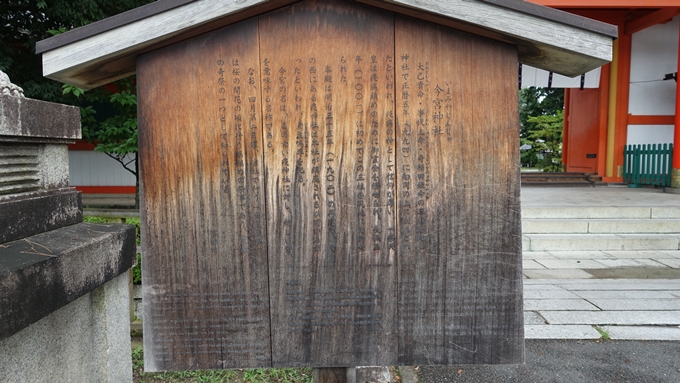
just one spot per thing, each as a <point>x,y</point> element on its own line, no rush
<point>635,100</point>
<point>631,101</point>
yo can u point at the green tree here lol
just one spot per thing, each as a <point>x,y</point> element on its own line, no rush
<point>535,102</point>
<point>109,120</point>
<point>25,22</point>
<point>546,140</point>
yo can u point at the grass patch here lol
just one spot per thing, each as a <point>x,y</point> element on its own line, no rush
<point>603,333</point>
<point>259,375</point>
<point>95,220</point>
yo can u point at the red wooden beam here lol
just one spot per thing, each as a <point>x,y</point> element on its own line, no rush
<point>607,3</point>
<point>81,145</point>
<point>106,189</point>
<point>650,120</point>
<point>622,97</point>
<point>603,120</point>
<point>661,16</point>
<point>676,130</point>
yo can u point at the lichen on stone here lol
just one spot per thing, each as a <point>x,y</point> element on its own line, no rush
<point>6,86</point>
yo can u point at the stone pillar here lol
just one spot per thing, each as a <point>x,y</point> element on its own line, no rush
<point>63,283</point>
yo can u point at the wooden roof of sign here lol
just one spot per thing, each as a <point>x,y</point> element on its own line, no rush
<point>106,50</point>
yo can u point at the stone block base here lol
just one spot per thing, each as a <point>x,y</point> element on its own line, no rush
<point>675,178</point>
<point>88,340</point>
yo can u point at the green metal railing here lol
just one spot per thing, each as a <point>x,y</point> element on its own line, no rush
<point>647,165</point>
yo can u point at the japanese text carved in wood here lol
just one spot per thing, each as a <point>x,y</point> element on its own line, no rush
<point>330,185</point>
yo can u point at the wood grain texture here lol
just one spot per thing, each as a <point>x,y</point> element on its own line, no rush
<point>330,375</point>
<point>327,68</point>
<point>460,298</point>
<point>205,280</point>
<point>325,186</point>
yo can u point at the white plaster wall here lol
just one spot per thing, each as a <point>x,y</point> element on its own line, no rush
<point>538,77</point>
<point>90,168</point>
<point>650,134</point>
<point>654,53</point>
<point>652,99</point>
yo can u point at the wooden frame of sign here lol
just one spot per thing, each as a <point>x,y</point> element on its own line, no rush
<point>330,184</point>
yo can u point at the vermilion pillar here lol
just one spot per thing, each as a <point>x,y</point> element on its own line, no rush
<point>675,173</point>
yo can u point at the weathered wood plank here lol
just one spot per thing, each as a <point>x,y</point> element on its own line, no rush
<point>205,264</point>
<point>110,55</point>
<point>327,70</point>
<point>562,43</point>
<point>542,43</point>
<point>300,172</point>
<point>331,375</point>
<point>460,296</point>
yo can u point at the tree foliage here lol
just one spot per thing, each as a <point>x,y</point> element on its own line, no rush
<point>546,139</point>
<point>108,114</point>
<point>109,119</point>
<point>25,22</point>
<point>536,102</point>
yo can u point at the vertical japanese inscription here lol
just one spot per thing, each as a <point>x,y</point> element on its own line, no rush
<point>460,258</point>
<point>330,195</point>
<point>205,294</point>
<point>370,155</point>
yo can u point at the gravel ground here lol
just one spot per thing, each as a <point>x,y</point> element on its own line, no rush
<point>574,361</point>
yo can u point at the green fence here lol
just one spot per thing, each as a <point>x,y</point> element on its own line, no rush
<point>648,165</point>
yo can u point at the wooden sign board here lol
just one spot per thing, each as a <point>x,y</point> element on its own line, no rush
<point>330,185</point>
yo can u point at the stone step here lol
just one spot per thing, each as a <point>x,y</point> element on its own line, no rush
<point>601,212</point>
<point>556,184</point>
<point>595,242</point>
<point>600,226</point>
<point>541,179</point>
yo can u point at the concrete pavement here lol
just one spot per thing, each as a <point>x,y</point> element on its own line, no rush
<point>601,262</point>
<point>640,309</point>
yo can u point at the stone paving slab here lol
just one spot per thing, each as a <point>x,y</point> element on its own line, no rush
<point>674,254</point>
<point>642,332</point>
<point>559,304</point>
<point>634,226</point>
<point>547,292</point>
<point>565,274</point>
<point>532,318</point>
<point>623,284</point>
<point>633,304</point>
<point>526,242</point>
<point>573,242</point>
<point>530,264</point>
<point>643,254</point>
<point>666,203</point>
<point>570,264</point>
<point>670,262</point>
<point>631,262</point>
<point>583,254</point>
<point>538,255</point>
<point>560,332</point>
<point>625,294</point>
<point>612,317</point>
<point>666,212</point>
<point>588,212</point>
<point>608,282</point>
<point>548,226</point>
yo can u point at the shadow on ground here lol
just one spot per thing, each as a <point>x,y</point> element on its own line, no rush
<point>574,361</point>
